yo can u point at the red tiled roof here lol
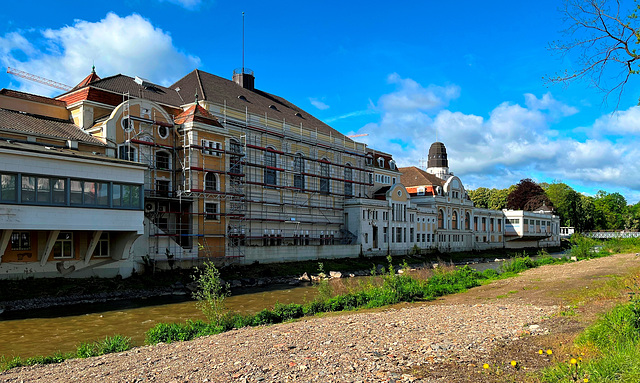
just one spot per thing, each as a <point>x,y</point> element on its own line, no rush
<point>88,80</point>
<point>197,113</point>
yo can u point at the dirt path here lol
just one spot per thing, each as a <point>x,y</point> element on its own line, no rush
<point>447,340</point>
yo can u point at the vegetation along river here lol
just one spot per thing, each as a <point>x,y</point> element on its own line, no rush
<point>62,329</point>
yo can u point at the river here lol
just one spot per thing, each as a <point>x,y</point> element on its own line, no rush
<point>63,328</point>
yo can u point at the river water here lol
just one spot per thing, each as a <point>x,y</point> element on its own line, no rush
<point>62,329</point>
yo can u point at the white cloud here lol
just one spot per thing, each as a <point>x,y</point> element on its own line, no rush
<point>130,45</point>
<point>188,4</point>
<point>621,122</point>
<point>412,96</point>
<point>511,143</point>
<point>318,104</point>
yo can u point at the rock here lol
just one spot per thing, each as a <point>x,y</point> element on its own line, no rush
<point>305,278</point>
<point>235,283</point>
<point>335,274</point>
<point>575,259</point>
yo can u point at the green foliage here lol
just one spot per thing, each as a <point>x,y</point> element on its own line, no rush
<point>116,343</point>
<point>211,293</point>
<point>489,198</point>
<point>584,247</point>
<point>615,338</point>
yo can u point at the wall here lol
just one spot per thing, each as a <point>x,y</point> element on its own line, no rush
<point>276,254</point>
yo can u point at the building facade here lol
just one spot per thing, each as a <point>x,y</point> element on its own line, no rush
<point>210,168</point>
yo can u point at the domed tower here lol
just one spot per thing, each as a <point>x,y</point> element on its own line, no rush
<point>438,164</point>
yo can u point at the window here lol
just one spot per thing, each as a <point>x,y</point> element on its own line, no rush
<point>127,124</point>
<point>298,168</point>
<point>127,152</point>
<point>89,192</point>
<point>102,248</point>
<point>499,225</point>
<point>348,186</point>
<point>211,211</point>
<point>381,162</point>
<point>475,223</point>
<point>28,189</point>
<point>385,234</point>
<point>163,187</point>
<point>63,247</point>
<point>491,224</point>
<point>467,221</point>
<point>440,219</point>
<point>369,160</point>
<point>8,187</point>
<point>211,148</point>
<point>102,193</point>
<point>235,146</point>
<point>59,194</point>
<point>270,174</point>
<point>398,234</point>
<point>210,181</point>
<point>411,235</point>
<point>420,191</point>
<point>163,160</point>
<point>163,131</point>
<point>454,220</point>
<point>20,240</point>
<point>324,177</point>
<point>392,166</point>
<point>126,196</point>
<point>484,224</point>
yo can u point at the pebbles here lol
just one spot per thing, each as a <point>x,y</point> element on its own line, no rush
<point>377,346</point>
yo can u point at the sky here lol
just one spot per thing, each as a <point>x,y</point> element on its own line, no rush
<point>469,74</point>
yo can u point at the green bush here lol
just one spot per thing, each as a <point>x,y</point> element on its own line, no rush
<point>116,343</point>
<point>211,293</point>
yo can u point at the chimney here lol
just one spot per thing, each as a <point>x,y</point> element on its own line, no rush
<point>244,77</point>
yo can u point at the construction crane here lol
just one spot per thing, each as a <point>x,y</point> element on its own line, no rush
<point>41,80</point>
<point>358,135</point>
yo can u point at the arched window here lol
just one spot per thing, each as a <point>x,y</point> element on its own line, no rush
<point>270,174</point>
<point>454,220</point>
<point>211,182</point>
<point>348,176</point>
<point>440,219</point>
<point>298,168</point>
<point>163,160</point>
<point>467,221</point>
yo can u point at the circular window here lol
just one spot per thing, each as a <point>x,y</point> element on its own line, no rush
<point>127,124</point>
<point>163,131</point>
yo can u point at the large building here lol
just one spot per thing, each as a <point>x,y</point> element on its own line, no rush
<point>119,170</point>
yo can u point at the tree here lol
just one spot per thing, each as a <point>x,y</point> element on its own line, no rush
<point>566,201</point>
<point>525,191</point>
<point>480,197</point>
<point>603,35</point>
<point>498,199</point>
<point>610,210</point>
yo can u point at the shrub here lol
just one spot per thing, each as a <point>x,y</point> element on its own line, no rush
<point>211,293</point>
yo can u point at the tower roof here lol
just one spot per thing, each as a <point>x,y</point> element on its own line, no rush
<point>438,156</point>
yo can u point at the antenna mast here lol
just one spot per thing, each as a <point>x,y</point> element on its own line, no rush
<point>242,42</point>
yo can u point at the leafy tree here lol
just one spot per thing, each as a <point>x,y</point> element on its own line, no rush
<point>588,214</point>
<point>610,210</point>
<point>601,37</point>
<point>498,199</point>
<point>525,191</point>
<point>566,202</point>
<point>480,197</point>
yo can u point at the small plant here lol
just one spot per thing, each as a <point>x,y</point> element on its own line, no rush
<point>211,293</point>
<point>116,343</point>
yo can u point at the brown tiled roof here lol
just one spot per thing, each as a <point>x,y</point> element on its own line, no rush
<point>413,176</point>
<point>31,97</point>
<point>45,126</point>
<point>220,90</point>
<point>197,113</point>
<point>122,84</point>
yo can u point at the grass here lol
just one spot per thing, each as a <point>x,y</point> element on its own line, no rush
<point>343,295</point>
<point>116,343</point>
<point>614,340</point>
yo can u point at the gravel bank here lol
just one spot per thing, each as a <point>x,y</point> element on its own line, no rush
<point>379,346</point>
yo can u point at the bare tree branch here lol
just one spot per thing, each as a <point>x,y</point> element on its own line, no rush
<point>603,42</point>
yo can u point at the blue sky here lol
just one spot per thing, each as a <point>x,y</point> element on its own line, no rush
<point>469,72</point>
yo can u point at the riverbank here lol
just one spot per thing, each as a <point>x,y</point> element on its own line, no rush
<point>418,342</point>
<point>34,294</point>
